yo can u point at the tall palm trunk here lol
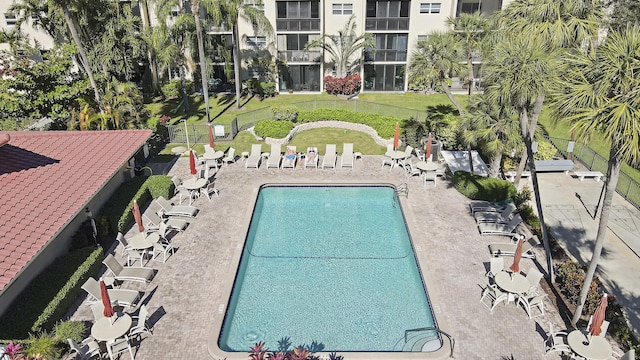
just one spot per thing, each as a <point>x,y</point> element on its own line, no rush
<point>470,72</point>
<point>183,86</point>
<point>453,100</point>
<point>236,63</point>
<point>195,9</point>
<point>494,165</point>
<point>83,54</point>
<point>153,64</point>
<point>611,182</point>
<point>537,109</point>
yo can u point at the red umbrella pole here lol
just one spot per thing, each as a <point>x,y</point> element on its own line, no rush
<point>211,140</point>
<point>598,317</point>
<point>192,163</point>
<point>515,267</point>
<point>137,216</point>
<point>106,301</point>
<point>396,137</point>
<point>427,148</point>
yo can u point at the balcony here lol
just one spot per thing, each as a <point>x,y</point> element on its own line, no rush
<point>216,56</point>
<point>385,55</point>
<point>298,24</point>
<point>374,24</point>
<point>299,56</point>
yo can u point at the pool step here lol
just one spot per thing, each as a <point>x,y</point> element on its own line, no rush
<point>422,341</point>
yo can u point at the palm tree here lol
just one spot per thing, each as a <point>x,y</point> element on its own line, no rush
<point>345,48</point>
<point>84,59</point>
<point>175,53</point>
<point>520,72</point>
<point>601,94</point>
<point>195,10</point>
<point>435,61</point>
<point>470,31</point>
<point>493,126</point>
<point>227,13</point>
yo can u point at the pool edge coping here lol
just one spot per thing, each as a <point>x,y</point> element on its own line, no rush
<point>212,343</point>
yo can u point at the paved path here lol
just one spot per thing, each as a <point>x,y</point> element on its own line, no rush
<point>186,295</point>
<point>569,205</point>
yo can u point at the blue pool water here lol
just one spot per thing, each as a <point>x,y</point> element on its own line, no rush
<point>332,266</point>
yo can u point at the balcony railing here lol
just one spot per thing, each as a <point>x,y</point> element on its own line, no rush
<point>385,55</point>
<point>372,24</point>
<point>299,56</point>
<point>298,24</point>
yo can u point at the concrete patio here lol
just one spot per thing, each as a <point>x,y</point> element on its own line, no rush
<point>187,293</point>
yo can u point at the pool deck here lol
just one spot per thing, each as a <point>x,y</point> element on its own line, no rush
<point>189,290</point>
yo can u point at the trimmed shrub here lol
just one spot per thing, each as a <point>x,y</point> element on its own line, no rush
<point>69,329</point>
<point>285,112</point>
<point>483,188</point>
<point>383,125</point>
<point>273,128</point>
<point>69,292</point>
<point>173,88</point>
<point>268,89</point>
<point>153,187</point>
<point>546,151</point>
<point>44,346</point>
<point>347,85</point>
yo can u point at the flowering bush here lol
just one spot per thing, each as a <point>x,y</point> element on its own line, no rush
<point>261,352</point>
<point>347,85</point>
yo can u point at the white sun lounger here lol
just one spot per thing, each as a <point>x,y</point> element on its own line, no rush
<point>274,156</point>
<point>176,210</point>
<point>496,217</point>
<point>500,229</point>
<point>348,158</point>
<point>255,157</point>
<point>121,273</point>
<point>509,249</point>
<point>330,158</point>
<point>121,297</point>
<point>289,163</point>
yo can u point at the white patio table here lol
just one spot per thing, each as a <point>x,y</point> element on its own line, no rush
<point>597,348</point>
<point>513,283</point>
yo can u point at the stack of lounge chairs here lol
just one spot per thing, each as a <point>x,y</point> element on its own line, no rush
<point>496,218</point>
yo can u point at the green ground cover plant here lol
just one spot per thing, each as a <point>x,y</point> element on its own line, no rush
<point>383,125</point>
<point>483,188</point>
<point>276,129</point>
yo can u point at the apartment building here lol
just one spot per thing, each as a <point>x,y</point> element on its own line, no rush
<point>396,25</point>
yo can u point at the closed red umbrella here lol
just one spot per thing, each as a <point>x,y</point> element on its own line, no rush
<point>427,148</point>
<point>598,317</point>
<point>192,163</point>
<point>137,216</point>
<point>396,136</point>
<point>515,267</point>
<point>211,142</point>
<point>106,301</point>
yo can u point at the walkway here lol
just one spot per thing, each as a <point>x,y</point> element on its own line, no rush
<point>186,294</point>
<point>569,205</point>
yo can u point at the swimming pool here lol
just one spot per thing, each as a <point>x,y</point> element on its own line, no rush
<point>329,267</point>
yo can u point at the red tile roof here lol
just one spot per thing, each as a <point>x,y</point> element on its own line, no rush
<point>46,178</point>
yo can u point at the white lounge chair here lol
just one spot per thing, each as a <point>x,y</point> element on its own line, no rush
<point>275,156</point>
<point>499,249</point>
<point>231,156</point>
<point>330,157</point>
<point>496,217</point>
<point>121,273</point>
<point>152,220</point>
<point>290,162</point>
<point>311,158</point>
<point>255,157</point>
<point>122,297</point>
<point>347,159</point>
<point>169,209</point>
<point>500,229</point>
<point>488,206</point>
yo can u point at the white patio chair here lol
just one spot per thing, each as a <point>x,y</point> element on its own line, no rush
<point>87,349</point>
<point>495,296</point>
<point>231,156</point>
<point>533,277</point>
<point>140,323</point>
<point>496,264</point>
<point>132,255</point>
<point>119,346</point>
<point>556,341</point>
<point>163,245</point>
<point>531,303</point>
<point>208,190</point>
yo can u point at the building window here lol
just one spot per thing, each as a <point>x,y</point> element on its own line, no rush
<point>298,9</point>
<point>342,9</point>
<point>430,8</point>
<point>388,9</point>
<point>257,42</point>
<point>10,18</point>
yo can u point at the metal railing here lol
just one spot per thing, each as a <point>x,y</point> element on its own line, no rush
<point>452,341</point>
<point>627,186</point>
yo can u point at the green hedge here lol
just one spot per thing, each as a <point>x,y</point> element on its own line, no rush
<point>483,188</point>
<point>384,125</point>
<point>152,188</point>
<point>49,295</point>
<point>69,292</point>
<point>276,129</point>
